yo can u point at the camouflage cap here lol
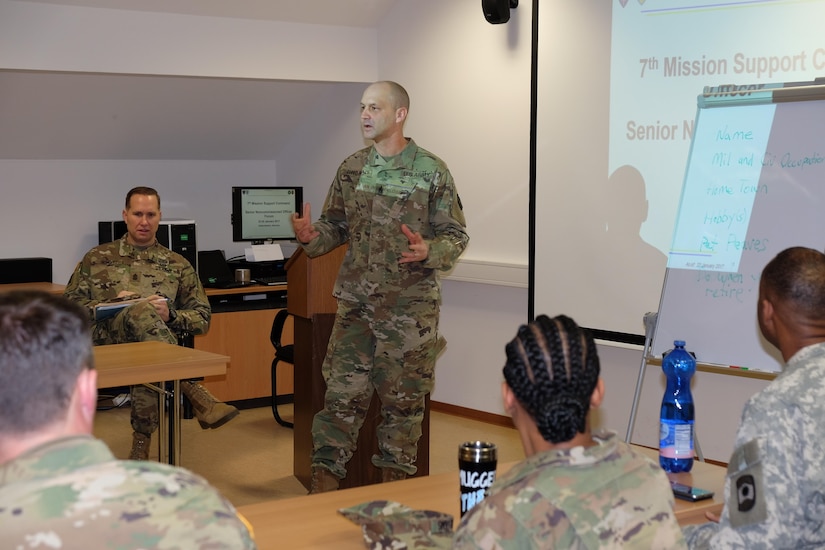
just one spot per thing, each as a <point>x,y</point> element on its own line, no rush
<point>388,525</point>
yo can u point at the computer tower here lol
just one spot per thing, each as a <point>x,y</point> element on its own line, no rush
<point>176,235</point>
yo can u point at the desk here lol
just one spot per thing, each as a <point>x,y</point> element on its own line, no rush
<point>313,522</point>
<point>51,288</point>
<point>242,333</point>
<point>146,362</point>
<point>704,476</point>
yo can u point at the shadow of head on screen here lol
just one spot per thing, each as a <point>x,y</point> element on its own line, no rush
<point>634,268</point>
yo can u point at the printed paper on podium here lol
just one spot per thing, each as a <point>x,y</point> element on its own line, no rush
<point>264,253</point>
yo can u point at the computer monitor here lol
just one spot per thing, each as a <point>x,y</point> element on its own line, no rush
<point>261,214</point>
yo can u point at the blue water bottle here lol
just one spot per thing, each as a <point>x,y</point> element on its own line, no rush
<point>677,414</point>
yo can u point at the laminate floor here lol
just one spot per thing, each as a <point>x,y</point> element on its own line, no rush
<point>250,459</point>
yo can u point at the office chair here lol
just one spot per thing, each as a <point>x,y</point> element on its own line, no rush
<point>282,353</point>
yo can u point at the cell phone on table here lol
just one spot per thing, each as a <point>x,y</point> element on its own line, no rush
<point>686,492</point>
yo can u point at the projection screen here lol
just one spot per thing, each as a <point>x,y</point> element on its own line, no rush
<point>616,89</point>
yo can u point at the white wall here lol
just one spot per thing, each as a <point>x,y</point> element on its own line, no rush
<point>51,208</point>
<point>469,84</point>
<point>312,156</point>
<point>50,37</point>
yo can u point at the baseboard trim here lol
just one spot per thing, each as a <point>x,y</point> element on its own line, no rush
<point>472,414</point>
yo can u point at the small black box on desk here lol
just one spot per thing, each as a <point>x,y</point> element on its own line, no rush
<point>261,270</point>
<point>25,270</point>
<point>222,303</point>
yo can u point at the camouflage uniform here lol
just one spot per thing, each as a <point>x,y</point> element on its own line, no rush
<point>72,493</point>
<point>386,329</point>
<point>605,496</point>
<point>775,486</point>
<point>388,525</point>
<point>112,267</point>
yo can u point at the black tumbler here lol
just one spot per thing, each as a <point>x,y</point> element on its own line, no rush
<point>477,470</point>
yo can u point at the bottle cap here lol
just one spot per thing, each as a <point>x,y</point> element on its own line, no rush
<point>679,343</point>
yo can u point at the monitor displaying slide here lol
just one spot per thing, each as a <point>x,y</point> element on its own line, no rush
<point>261,214</point>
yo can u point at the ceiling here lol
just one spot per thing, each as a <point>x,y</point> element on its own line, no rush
<point>344,13</point>
<point>105,116</point>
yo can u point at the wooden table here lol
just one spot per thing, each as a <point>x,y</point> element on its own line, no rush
<point>313,522</point>
<point>242,334</point>
<point>51,288</point>
<point>240,328</point>
<point>151,362</point>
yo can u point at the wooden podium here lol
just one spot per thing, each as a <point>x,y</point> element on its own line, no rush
<point>309,299</point>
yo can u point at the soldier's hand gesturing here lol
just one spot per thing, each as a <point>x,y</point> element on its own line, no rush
<point>419,249</point>
<point>304,230</point>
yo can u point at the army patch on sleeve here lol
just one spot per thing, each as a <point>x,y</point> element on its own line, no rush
<point>746,501</point>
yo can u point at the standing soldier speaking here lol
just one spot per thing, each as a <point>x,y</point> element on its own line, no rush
<point>397,206</point>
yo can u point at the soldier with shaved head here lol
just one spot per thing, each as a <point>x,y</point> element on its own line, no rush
<point>396,206</point>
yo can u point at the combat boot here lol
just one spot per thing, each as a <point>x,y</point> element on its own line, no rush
<point>392,474</point>
<point>140,446</point>
<point>210,412</point>
<point>323,481</point>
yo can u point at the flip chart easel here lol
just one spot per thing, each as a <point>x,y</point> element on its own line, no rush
<point>754,185</point>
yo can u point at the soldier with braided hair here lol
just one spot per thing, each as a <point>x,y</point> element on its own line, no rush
<point>576,488</point>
